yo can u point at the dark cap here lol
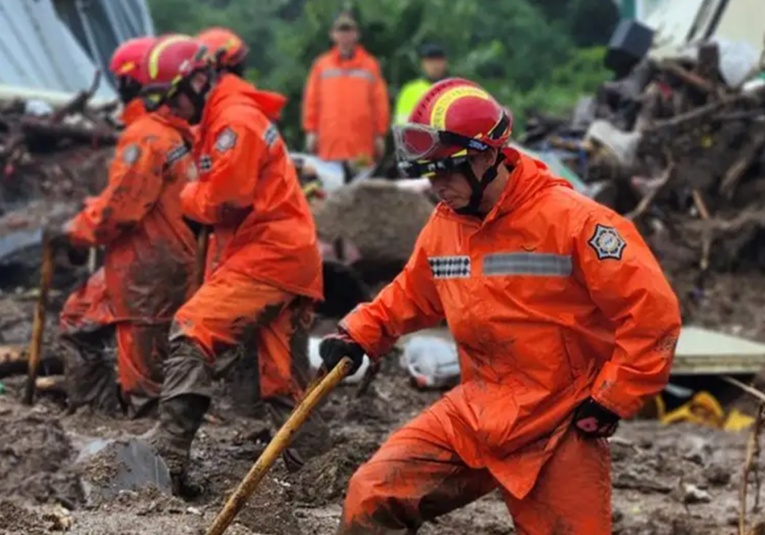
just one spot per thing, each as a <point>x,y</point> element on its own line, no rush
<point>432,51</point>
<point>345,20</point>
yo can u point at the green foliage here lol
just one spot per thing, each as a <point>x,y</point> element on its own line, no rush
<point>523,51</point>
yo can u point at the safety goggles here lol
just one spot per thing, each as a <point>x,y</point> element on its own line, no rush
<point>431,168</point>
<point>421,142</point>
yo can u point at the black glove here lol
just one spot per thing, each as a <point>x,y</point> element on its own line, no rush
<point>593,420</point>
<point>336,346</point>
<point>194,226</point>
<point>56,235</point>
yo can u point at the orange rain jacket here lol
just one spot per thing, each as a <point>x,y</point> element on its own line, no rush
<point>150,251</point>
<point>251,195</point>
<point>346,104</point>
<point>551,298</point>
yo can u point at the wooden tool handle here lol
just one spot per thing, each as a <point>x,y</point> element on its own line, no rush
<point>38,326</point>
<point>278,444</point>
<point>203,242</point>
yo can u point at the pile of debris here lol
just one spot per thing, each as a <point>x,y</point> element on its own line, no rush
<point>52,157</point>
<point>678,145</point>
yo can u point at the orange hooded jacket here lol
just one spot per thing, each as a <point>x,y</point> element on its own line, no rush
<point>551,298</point>
<point>249,192</point>
<point>346,104</point>
<point>150,251</point>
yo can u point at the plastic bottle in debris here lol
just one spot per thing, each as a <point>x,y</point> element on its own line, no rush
<point>432,361</point>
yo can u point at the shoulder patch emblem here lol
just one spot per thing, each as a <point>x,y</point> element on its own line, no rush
<point>226,140</point>
<point>131,153</point>
<point>607,243</point>
<point>270,135</point>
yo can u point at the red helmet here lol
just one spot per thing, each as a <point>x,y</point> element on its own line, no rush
<point>171,60</point>
<point>453,118</point>
<point>225,47</point>
<point>126,59</point>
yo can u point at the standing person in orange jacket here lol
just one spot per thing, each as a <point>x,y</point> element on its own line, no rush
<point>270,270</point>
<point>346,112</point>
<point>563,319</point>
<point>149,250</point>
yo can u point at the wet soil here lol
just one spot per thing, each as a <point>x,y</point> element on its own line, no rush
<point>668,480</point>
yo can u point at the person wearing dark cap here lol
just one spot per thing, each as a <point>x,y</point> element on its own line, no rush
<point>346,112</point>
<point>434,69</point>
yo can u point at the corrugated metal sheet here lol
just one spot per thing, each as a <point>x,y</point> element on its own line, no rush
<point>58,47</point>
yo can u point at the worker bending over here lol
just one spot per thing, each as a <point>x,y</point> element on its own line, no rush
<point>269,274</point>
<point>149,250</point>
<point>563,320</point>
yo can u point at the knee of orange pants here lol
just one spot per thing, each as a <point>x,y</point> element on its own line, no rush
<point>231,309</point>
<point>141,350</point>
<point>572,493</point>
<point>415,476</point>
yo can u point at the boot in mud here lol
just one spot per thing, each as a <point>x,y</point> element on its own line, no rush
<point>310,441</point>
<point>179,420</point>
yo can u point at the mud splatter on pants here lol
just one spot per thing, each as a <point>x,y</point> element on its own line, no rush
<point>417,476</point>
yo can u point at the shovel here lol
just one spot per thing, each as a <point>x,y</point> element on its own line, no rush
<point>278,444</point>
<point>38,326</point>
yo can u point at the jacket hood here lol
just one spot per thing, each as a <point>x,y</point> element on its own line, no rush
<point>528,178</point>
<point>232,87</point>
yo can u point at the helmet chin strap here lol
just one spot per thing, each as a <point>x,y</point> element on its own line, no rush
<point>197,98</point>
<point>477,186</point>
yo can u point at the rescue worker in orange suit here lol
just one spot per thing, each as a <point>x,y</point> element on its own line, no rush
<point>563,319</point>
<point>229,54</point>
<point>345,103</point>
<point>269,275</point>
<point>149,249</point>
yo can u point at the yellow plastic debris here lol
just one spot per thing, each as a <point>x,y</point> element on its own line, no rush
<point>702,409</point>
<point>738,421</point>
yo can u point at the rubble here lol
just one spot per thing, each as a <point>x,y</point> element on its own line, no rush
<point>380,219</point>
<point>680,152</point>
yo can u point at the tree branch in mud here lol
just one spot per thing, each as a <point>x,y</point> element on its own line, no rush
<point>751,459</point>
<point>648,198</point>
<point>750,465</point>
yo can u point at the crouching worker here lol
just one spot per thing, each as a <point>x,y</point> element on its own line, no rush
<point>149,250</point>
<point>269,273</point>
<point>563,320</point>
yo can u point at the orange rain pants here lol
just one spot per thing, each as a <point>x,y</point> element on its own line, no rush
<point>417,476</point>
<point>230,309</point>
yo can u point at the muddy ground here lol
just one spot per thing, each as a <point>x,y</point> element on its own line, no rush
<point>668,480</point>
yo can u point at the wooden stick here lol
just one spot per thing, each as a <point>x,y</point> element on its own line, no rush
<point>38,327</point>
<point>752,454</point>
<point>278,444</point>
<point>745,387</point>
<point>706,244</point>
<point>92,260</point>
<point>203,242</point>
<point>369,376</point>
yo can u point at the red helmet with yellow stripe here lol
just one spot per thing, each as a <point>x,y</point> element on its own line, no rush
<point>453,120</point>
<point>169,67</point>
<point>226,49</point>
<point>455,116</point>
<point>126,59</point>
